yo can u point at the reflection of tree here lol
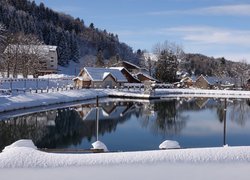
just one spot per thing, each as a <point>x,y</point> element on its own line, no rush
<point>24,127</point>
<point>240,112</point>
<point>68,128</point>
<point>220,111</point>
<point>168,121</point>
<point>248,102</point>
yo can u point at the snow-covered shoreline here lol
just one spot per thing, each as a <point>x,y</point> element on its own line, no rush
<point>28,100</point>
<point>26,162</point>
<point>25,157</point>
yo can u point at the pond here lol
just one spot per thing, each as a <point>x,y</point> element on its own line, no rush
<point>132,125</point>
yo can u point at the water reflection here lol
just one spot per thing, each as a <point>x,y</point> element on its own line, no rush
<point>191,121</point>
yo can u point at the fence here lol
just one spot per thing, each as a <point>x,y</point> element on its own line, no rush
<point>36,85</point>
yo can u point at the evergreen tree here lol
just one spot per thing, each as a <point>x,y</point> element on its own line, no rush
<point>166,67</point>
<point>63,50</point>
<point>99,59</point>
<point>74,48</point>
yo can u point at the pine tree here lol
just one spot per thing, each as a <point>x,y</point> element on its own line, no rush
<point>166,67</point>
<point>99,59</point>
<point>74,48</point>
<point>63,50</point>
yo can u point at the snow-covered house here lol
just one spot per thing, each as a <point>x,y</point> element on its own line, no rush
<point>131,78</point>
<point>210,82</point>
<point>145,77</point>
<point>187,82</point>
<point>134,73</point>
<point>99,78</point>
<point>132,68</point>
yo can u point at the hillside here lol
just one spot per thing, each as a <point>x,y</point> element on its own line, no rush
<point>201,64</point>
<point>197,64</point>
<point>74,39</point>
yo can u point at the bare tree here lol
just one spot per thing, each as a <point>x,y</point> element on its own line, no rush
<point>169,47</point>
<point>23,55</point>
<point>2,45</point>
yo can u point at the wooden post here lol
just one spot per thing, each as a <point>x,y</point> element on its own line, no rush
<point>225,122</point>
<point>97,117</point>
<point>36,85</point>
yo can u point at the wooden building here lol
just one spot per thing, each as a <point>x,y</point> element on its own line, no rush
<point>90,77</point>
<point>145,77</point>
<point>210,82</point>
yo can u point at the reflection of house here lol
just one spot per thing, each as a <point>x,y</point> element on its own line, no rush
<point>110,111</point>
<point>99,78</point>
<point>205,102</point>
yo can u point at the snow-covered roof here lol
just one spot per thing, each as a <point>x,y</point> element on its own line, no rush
<point>147,76</point>
<point>78,77</point>
<point>131,75</point>
<point>99,74</point>
<point>212,80</point>
<point>119,68</point>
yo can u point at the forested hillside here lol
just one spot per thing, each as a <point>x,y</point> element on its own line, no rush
<point>73,38</point>
<point>200,64</point>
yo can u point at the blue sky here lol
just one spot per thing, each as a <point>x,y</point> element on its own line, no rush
<point>218,28</point>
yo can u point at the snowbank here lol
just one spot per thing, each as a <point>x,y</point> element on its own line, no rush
<point>168,144</point>
<point>26,157</point>
<point>30,100</point>
<point>21,143</point>
<point>100,145</point>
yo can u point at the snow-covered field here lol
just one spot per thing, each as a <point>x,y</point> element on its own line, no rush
<point>23,161</point>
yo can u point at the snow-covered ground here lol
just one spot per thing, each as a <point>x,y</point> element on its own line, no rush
<point>23,161</point>
<point>28,100</point>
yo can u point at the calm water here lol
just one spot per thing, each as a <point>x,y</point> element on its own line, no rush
<point>135,125</point>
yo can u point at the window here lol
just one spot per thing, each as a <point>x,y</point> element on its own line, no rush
<point>51,60</point>
<point>51,57</point>
<point>51,65</point>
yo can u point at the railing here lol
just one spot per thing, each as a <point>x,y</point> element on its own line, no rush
<point>36,85</point>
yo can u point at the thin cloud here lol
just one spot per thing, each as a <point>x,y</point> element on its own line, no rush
<point>208,35</point>
<point>226,10</point>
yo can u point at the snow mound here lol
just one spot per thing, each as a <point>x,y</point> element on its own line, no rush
<point>99,145</point>
<point>21,143</point>
<point>168,144</point>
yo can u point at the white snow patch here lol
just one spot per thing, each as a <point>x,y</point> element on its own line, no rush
<point>99,145</point>
<point>21,143</point>
<point>168,144</point>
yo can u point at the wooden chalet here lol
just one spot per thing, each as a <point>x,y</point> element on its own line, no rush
<point>99,78</point>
